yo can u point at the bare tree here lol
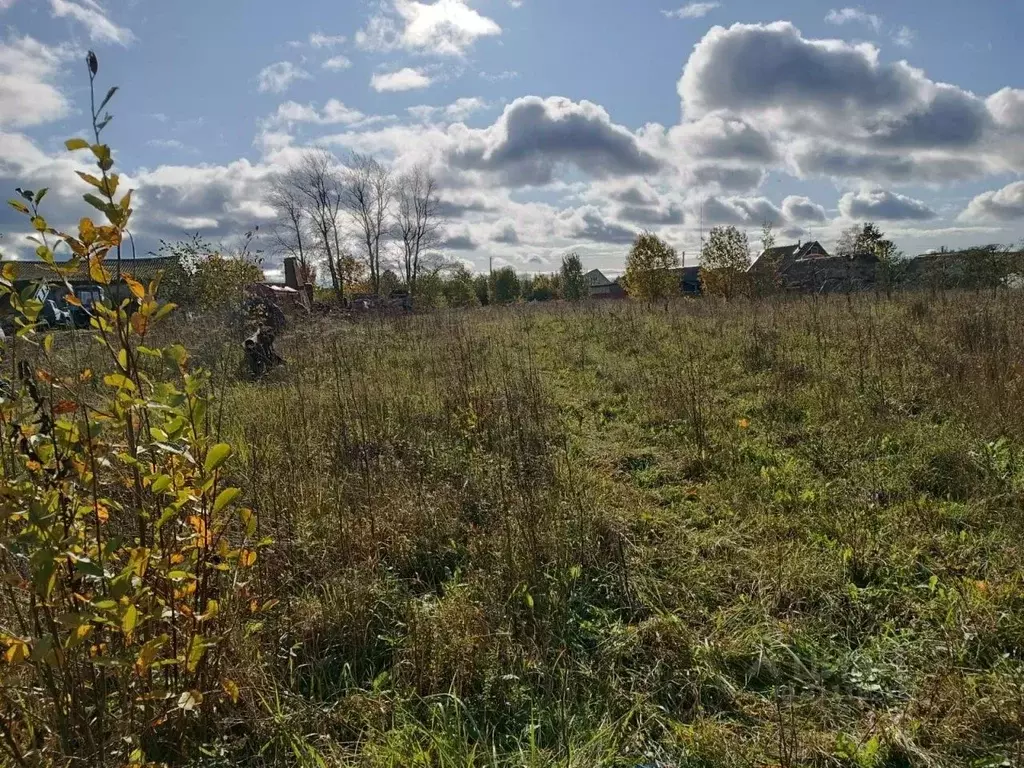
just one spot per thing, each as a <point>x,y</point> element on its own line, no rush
<point>315,184</point>
<point>367,194</point>
<point>417,221</point>
<point>291,230</point>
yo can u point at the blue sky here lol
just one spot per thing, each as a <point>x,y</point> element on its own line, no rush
<point>552,125</point>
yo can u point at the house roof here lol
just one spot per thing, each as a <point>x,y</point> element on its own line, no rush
<point>595,279</point>
<point>787,254</point>
<point>142,270</point>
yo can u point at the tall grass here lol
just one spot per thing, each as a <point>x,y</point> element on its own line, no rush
<point>776,533</point>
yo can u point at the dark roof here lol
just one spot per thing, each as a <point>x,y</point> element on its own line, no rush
<point>783,256</point>
<point>595,279</point>
<point>142,270</point>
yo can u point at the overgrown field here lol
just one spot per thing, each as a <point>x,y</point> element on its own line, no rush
<point>783,533</point>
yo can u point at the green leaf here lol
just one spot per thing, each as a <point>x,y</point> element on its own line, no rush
<point>95,202</point>
<point>18,206</point>
<point>107,98</point>
<point>76,144</point>
<point>41,194</point>
<point>118,380</point>
<point>88,178</point>
<point>161,484</point>
<point>217,456</point>
<point>195,653</point>
<point>224,498</point>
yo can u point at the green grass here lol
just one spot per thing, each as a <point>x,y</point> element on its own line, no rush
<point>781,533</point>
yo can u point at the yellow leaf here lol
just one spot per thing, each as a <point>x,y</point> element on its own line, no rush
<point>97,271</point>
<point>231,689</point>
<point>90,179</point>
<point>102,513</point>
<point>190,700</point>
<point>18,205</point>
<point>75,144</point>
<point>73,300</point>
<point>129,620</point>
<point>17,651</point>
<point>195,653</point>
<point>247,558</point>
<point>743,423</point>
<point>134,286</point>
<point>87,231</point>
<point>149,652</point>
<point>39,223</point>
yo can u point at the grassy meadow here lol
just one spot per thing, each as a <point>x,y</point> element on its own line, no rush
<point>784,533</point>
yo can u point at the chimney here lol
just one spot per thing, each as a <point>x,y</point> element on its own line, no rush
<point>291,273</point>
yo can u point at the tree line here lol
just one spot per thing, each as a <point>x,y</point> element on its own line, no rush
<point>359,219</point>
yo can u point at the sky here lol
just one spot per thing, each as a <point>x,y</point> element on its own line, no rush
<point>551,125</point>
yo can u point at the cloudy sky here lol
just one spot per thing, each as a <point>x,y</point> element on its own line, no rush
<point>551,124</point>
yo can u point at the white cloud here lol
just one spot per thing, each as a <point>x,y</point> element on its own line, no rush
<point>444,28</point>
<point>904,37</point>
<point>93,17</point>
<point>337,63</point>
<point>881,204</point>
<point>333,113</point>
<point>277,77</point>
<point>854,15</point>
<point>318,40</point>
<point>166,144</point>
<point>457,111</point>
<point>28,95</point>
<point>407,79</point>
<point>692,11</point>
<point>1006,204</point>
<point>5,4</point>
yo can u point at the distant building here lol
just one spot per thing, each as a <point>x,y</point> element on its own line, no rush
<point>600,287</point>
<point>689,280</point>
<point>809,268</point>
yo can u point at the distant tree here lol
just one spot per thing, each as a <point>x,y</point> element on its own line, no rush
<point>869,239</point>
<point>482,288</point>
<point>648,266</point>
<point>459,290</point>
<point>505,286</point>
<point>724,262</point>
<point>542,288</point>
<point>767,236</point>
<point>202,277</point>
<point>389,281</point>
<point>573,286</point>
<point>417,220</point>
<point>367,193</point>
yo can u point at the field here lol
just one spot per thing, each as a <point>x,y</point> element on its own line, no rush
<point>784,533</point>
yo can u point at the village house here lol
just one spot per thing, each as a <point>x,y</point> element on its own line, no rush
<point>809,268</point>
<point>600,287</point>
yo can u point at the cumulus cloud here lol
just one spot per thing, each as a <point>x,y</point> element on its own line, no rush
<point>1006,204</point>
<point>506,234</point>
<point>320,40</point>
<point>333,113</point>
<point>883,205</point>
<point>337,63</point>
<point>741,211</point>
<point>28,93</point>
<point>692,11</point>
<point>458,110</point>
<point>444,28</point>
<point>535,136</point>
<point>854,15</point>
<point>460,242</point>
<point>407,79</point>
<point>278,77</point>
<point>587,223</point>
<point>93,17</point>
<point>801,209</point>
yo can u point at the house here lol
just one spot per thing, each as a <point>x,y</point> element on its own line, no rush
<point>809,268</point>
<point>600,287</point>
<point>689,280</point>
